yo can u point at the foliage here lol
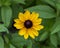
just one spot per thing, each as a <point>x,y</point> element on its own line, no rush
<point>49,11</point>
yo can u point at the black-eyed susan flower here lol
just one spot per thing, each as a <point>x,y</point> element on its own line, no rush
<point>28,24</point>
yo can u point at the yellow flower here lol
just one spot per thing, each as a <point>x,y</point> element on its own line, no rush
<point>29,24</point>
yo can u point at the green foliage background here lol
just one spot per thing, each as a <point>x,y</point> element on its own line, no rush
<point>49,11</point>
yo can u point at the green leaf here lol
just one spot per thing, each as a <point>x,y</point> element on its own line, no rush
<point>51,46</point>
<point>1,42</point>
<point>7,2</point>
<point>6,45</point>
<point>29,44</point>
<point>16,9</point>
<point>6,39</point>
<point>18,41</point>
<point>53,40</point>
<point>56,26</point>
<point>51,2</point>
<point>29,2</point>
<point>11,46</point>
<point>0,15</point>
<point>19,1</point>
<point>7,42</point>
<point>44,11</point>
<point>56,29</point>
<point>3,28</point>
<point>45,46</point>
<point>0,3</point>
<point>58,34</point>
<point>36,45</point>
<point>39,2</point>
<point>43,36</point>
<point>48,23</point>
<point>6,14</point>
<point>58,4</point>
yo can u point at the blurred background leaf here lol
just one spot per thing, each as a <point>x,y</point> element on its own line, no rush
<point>5,3</point>
<point>56,26</point>
<point>6,14</point>
<point>0,15</point>
<point>50,2</point>
<point>19,1</point>
<point>16,8</point>
<point>18,41</point>
<point>58,4</point>
<point>11,46</point>
<point>43,36</point>
<point>1,42</point>
<point>53,40</point>
<point>44,11</point>
<point>3,28</point>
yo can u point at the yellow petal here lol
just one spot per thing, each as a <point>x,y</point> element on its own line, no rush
<point>35,32</point>
<point>27,14</point>
<point>37,21</point>
<point>18,21</point>
<point>21,17</point>
<point>30,32</point>
<point>34,16</point>
<point>18,26</point>
<point>26,35</point>
<point>38,27</point>
<point>22,31</point>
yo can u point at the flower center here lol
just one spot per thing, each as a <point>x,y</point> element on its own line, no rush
<point>28,24</point>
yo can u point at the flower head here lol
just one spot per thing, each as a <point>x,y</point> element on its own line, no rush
<point>28,24</point>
